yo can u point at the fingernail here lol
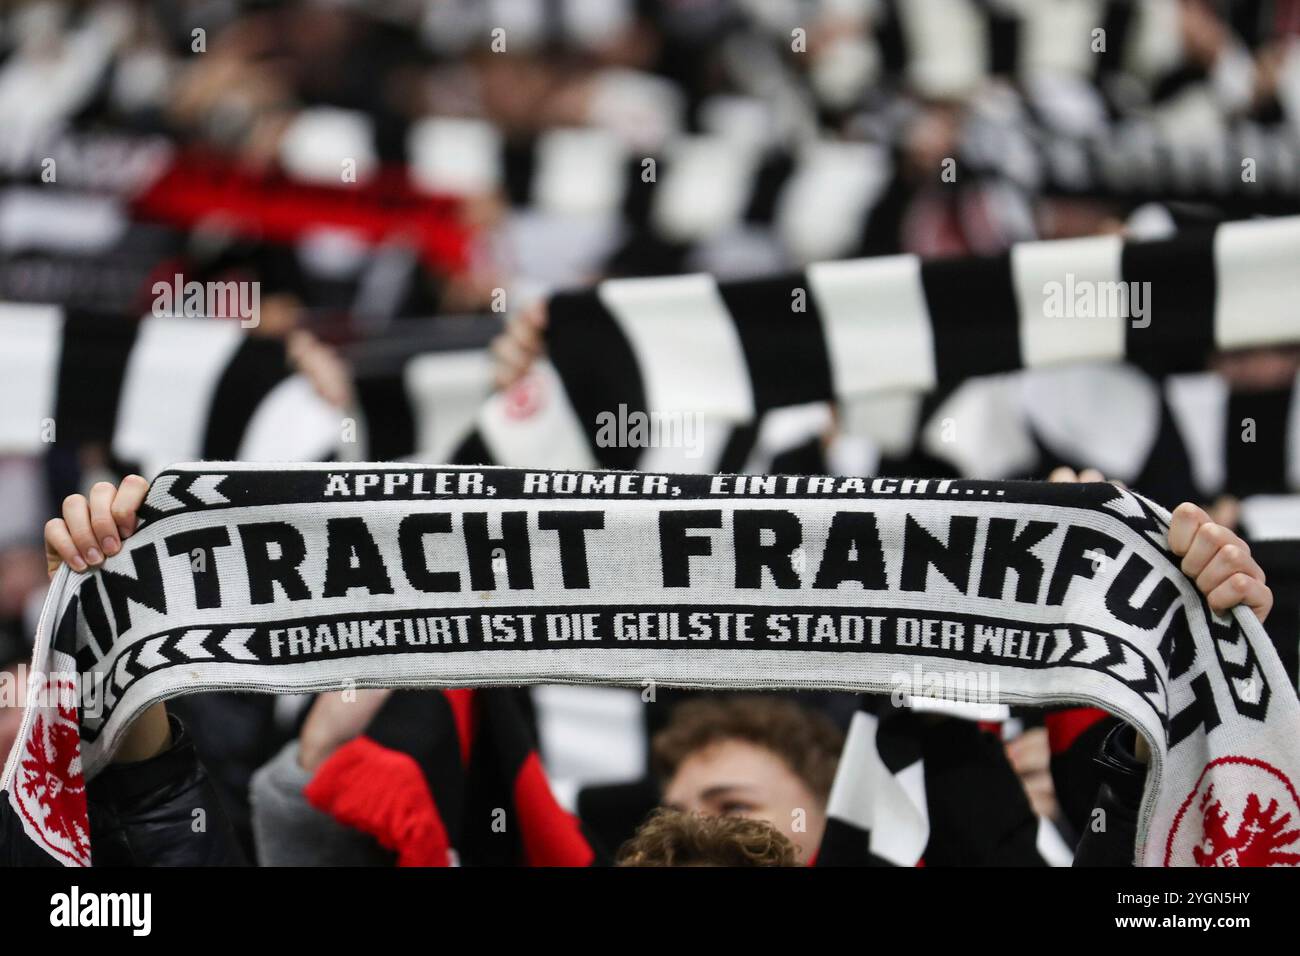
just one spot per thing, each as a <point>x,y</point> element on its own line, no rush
<point>93,556</point>
<point>78,564</point>
<point>110,546</point>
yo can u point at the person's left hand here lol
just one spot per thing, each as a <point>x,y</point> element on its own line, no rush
<point>1215,557</point>
<point>1219,561</point>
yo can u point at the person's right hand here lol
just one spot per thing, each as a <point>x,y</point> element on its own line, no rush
<point>323,367</point>
<point>93,528</point>
<point>1031,758</point>
<point>334,719</point>
<point>515,349</point>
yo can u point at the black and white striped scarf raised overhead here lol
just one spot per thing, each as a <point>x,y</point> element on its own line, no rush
<point>153,390</point>
<point>758,355</point>
<point>692,348</point>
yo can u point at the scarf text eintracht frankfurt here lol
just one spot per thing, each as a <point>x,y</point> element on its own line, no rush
<point>313,577</point>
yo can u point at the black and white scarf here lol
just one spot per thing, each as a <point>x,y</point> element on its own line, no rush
<point>690,351</point>
<point>666,208</point>
<point>160,389</point>
<point>908,790</point>
<point>589,171</point>
<point>777,352</point>
<point>154,390</point>
<point>311,577</point>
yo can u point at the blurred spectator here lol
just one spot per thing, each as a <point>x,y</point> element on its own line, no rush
<point>754,757</point>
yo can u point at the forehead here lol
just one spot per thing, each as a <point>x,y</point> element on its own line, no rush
<point>730,763</point>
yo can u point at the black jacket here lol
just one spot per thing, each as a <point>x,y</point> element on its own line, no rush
<point>1110,835</point>
<point>163,811</point>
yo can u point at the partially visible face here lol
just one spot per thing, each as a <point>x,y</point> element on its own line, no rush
<point>741,779</point>
<point>1258,370</point>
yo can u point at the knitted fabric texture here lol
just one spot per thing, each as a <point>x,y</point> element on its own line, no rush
<point>299,578</point>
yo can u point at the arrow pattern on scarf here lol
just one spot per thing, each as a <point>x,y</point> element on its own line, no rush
<point>191,644</point>
<point>236,644</point>
<point>1110,655</point>
<point>204,487</point>
<point>174,492</point>
<point>211,645</point>
<point>1245,678</point>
